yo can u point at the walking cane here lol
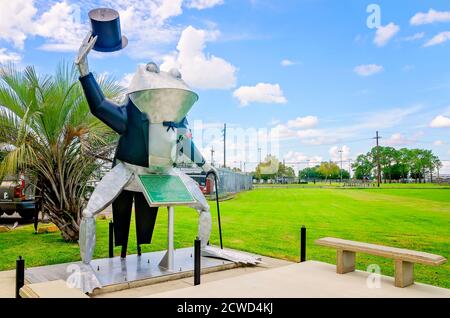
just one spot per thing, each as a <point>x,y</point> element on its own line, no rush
<point>218,206</point>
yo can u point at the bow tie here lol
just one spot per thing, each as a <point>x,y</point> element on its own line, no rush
<point>171,125</point>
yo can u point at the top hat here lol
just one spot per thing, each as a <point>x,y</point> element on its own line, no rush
<point>105,24</point>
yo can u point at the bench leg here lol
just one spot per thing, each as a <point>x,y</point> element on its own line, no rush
<point>404,273</point>
<point>345,262</point>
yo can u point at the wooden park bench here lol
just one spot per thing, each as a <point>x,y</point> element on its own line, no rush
<point>404,259</point>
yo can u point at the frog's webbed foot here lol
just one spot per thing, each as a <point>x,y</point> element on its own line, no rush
<point>82,277</point>
<point>230,255</point>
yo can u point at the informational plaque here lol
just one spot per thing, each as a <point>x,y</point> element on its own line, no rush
<point>165,190</point>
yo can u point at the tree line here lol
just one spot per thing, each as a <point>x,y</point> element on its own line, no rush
<point>325,171</point>
<point>397,164</point>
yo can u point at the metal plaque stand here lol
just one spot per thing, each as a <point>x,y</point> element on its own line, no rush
<point>167,260</point>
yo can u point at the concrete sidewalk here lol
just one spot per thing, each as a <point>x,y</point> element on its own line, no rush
<point>304,280</point>
<point>8,284</point>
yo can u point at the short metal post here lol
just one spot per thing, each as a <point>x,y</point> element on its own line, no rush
<point>167,261</point>
<point>111,239</point>
<point>197,265</point>
<point>139,251</point>
<point>303,244</point>
<point>36,220</point>
<point>20,275</point>
<point>218,210</point>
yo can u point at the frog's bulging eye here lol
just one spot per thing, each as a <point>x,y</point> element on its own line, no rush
<point>175,73</point>
<point>152,67</point>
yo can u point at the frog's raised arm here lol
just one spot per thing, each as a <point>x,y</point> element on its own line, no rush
<point>110,113</point>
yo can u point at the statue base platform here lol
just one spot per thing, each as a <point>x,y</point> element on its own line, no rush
<point>134,271</point>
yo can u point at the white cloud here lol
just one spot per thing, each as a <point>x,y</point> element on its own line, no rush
<point>167,9</point>
<point>414,37</point>
<point>126,80</point>
<point>60,26</point>
<point>432,16</point>
<point>438,39</point>
<point>260,93</point>
<point>385,33</point>
<point>317,136</point>
<point>336,155</point>
<point>146,24</point>
<point>440,122</point>
<point>287,62</point>
<point>200,70</point>
<point>303,122</point>
<point>295,156</point>
<point>362,124</point>
<point>368,69</point>
<point>6,57</point>
<point>16,21</point>
<point>274,122</point>
<point>438,143</point>
<point>203,4</point>
<point>398,139</point>
<point>283,132</point>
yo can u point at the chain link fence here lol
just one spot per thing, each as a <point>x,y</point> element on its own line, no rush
<point>233,182</point>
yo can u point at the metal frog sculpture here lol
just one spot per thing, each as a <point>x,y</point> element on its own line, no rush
<point>153,131</point>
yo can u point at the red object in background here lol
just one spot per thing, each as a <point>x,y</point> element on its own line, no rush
<point>207,188</point>
<point>19,189</point>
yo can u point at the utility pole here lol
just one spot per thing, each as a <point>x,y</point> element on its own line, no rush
<point>378,137</point>
<point>212,155</point>
<point>350,168</point>
<point>307,170</point>
<point>340,154</point>
<point>259,155</point>
<point>225,145</point>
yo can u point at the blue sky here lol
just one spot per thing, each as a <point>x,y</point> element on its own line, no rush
<point>311,70</point>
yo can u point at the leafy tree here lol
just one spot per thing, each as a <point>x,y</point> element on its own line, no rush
<point>285,171</point>
<point>397,164</point>
<point>328,169</point>
<point>363,166</point>
<point>345,174</point>
<point>310,174</point>
<point>47,123</point>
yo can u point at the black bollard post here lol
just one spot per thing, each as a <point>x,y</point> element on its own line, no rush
<point>111,239</point>
<point>139,251</point>
<point>197,265</point>
<point>218,211</point>
<point>20,275</point>
<point>303,244</point>
<point>36,220</point>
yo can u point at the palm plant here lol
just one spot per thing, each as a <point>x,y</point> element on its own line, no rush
<point>51,133</point>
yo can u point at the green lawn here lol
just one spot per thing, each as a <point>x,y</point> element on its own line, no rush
<point>268,221</point>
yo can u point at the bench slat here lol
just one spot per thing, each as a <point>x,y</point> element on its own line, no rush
<point>385,251</point>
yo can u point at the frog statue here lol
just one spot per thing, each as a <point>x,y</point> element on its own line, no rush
<point>153,132</point>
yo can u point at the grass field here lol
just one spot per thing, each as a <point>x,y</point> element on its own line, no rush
<point>267,221</point>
